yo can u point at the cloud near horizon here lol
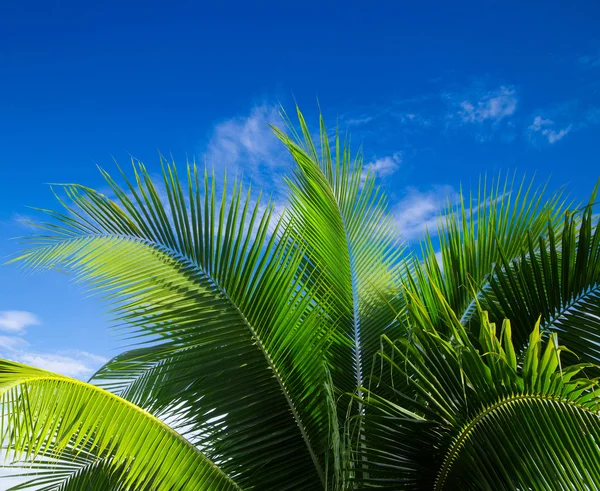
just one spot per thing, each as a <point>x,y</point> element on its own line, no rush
<point>72,363</point>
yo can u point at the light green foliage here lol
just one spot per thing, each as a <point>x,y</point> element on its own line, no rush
<point>47,415</point>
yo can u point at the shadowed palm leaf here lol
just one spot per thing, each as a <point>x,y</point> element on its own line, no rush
<point>447,415</point>
<point>558,278</point>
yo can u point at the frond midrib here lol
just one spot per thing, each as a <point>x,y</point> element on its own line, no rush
<point>486,412</point>
<point>564,309</point>
<point>223,292</point>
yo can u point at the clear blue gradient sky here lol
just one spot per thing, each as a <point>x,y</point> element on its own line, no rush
<point>436,92</point>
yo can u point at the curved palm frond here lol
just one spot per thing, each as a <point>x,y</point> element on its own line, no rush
<point>231,344</point>
<point>558,278</point>
<point>52,416</point>
<point>69,470</point>
<point>447,415</point>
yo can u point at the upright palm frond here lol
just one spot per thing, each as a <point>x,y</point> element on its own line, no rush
<point>447,415</point>
<point>474,234</point>
<point>340,217</point>
<point>231,346</point>
<point>52,416</point>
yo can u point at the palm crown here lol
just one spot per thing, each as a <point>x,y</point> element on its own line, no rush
<point>310,350</point>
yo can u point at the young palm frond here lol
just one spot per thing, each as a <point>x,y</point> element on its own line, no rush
<point>474,236</point>
<point>445,414</point>
<point>341,219</point>
<point>52,416</point>
<point>558,278</point>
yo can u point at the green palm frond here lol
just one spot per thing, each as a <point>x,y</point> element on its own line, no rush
<point>473,236</point>
<point>445,414</point>
<point>52,416</point>
<point>307,351</point>
<point>341,219</point>
<point>231,345</point>
<point>556,277</point>
<point>69,470</point>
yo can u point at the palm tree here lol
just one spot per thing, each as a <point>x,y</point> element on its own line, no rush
<point>311,350</point>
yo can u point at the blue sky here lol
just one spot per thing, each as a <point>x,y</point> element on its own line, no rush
<point>437,93</point>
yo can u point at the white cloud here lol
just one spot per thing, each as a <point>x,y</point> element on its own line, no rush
<point>100,360</point>
<point>77,364</point>
<point>16,321</point>
<point>420,211</point>
<point>12,343</point>
<point>546,128</point>
<point>246,145</point>
<point>73,363</point>
<point>364,119</point>
<point>55,363</point>
<point>492,106</point>
<point>412,118</point>
<point>385,166</point>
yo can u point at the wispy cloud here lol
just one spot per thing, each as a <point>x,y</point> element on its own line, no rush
<point>16,321</point>
<point>546,128</point>
<point>384,166</point>
<point>246,146</point>
<point>12,343</point>
<point>413,118</point>
<point>420,211</point>
<point>24,221</point>
<point>73,363</point>
<point>591,60</point>
<point>593,115</point>
<point>493,106</point>
<point>358,120</point>
<point>480,105</point>
<point>79,365</point>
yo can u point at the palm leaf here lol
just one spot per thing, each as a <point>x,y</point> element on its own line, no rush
<point>43,414</point>
<point>474,234</point>
<point>556,277</point>
<point>340,217</point>
<point>445,414</point>
<point>230,342</point>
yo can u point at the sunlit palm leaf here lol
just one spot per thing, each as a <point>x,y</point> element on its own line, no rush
<point>233,343</point>
<point>44,414</point>
<point>69,470</point>
<point>340,216</point>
